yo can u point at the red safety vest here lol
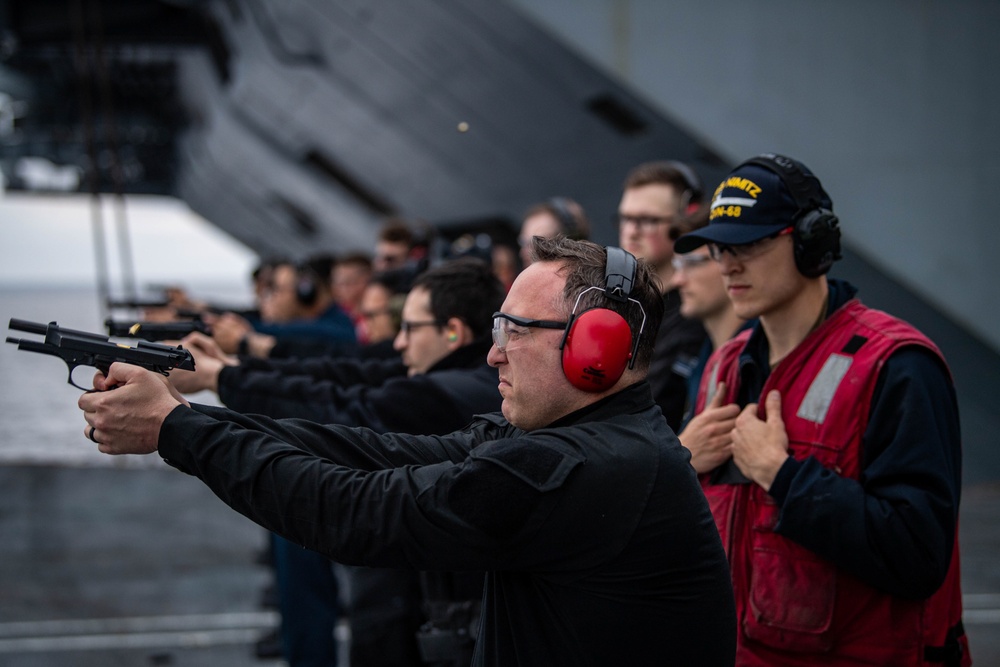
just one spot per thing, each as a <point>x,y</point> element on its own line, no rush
<point>791,604</point>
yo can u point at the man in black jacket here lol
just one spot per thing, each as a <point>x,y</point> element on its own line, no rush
<point>438,384</point>
<point>578,500</point>
<point>439,381</point>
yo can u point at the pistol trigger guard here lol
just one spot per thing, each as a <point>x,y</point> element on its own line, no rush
<point>69,379</point>
<point>73,368</point>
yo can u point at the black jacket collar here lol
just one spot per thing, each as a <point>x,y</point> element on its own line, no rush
<point>467,356</point>
<point>634,398</point>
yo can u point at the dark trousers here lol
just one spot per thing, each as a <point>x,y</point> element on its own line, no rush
<point>307,596</point>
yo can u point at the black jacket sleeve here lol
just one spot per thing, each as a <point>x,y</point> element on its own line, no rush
<point>893,528</point>
<point>389,501</point>
<point>361,448</point>
<point>342,370</point>
<point>324,391</point>
<point>438,402</point>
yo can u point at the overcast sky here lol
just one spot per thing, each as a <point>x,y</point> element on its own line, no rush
<point>49,240</point>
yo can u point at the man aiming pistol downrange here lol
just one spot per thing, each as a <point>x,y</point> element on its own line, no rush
<point>578,501</point>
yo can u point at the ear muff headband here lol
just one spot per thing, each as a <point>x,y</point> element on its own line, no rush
<point>306,290</point>
<point>802,188</point>
<point>598,343</point>
<point>619,274</point>
<point>816,229</point>
<point>694,191</point>
<point>559,206</point>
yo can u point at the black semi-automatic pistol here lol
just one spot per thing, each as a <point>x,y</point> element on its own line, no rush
<point>81,348</point>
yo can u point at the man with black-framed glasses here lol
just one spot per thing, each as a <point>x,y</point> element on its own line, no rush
<point>438,384</point>
<point>444,324</point>
<point>702,292</point>
<point>656,198</point>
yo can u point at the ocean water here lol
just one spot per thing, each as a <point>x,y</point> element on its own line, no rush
<point>40,422</point>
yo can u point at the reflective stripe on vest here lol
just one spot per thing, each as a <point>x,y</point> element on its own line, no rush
<point>820,394</point>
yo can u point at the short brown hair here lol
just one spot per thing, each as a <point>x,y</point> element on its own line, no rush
<point>396,230</point>
<point>464,288</point>
<point>572,219</point>
<point>360,259</point>
<point>668,172</point>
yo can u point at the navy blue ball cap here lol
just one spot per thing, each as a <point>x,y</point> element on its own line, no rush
<point>750,204</point>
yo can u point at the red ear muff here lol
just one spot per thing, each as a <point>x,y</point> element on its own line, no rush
<point>598,347</point>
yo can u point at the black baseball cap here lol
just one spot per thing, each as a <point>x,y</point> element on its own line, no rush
<point>750,204</point>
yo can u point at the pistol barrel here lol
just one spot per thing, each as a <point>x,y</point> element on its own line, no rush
<point>25,325</point>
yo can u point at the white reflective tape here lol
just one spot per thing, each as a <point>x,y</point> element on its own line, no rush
<point>713,385</point>
<point>820,395</point>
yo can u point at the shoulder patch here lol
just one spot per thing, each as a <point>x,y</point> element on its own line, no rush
<point>502,491</point>
<point>542,467</point>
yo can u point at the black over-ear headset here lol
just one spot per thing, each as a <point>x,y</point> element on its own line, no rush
<point>306,285</point>
<point>693,190</point>
<point>816,230</point>
<point>559,207</point>
<point>598,343</point>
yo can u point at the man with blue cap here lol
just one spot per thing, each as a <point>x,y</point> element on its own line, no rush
<point>837,496</point>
